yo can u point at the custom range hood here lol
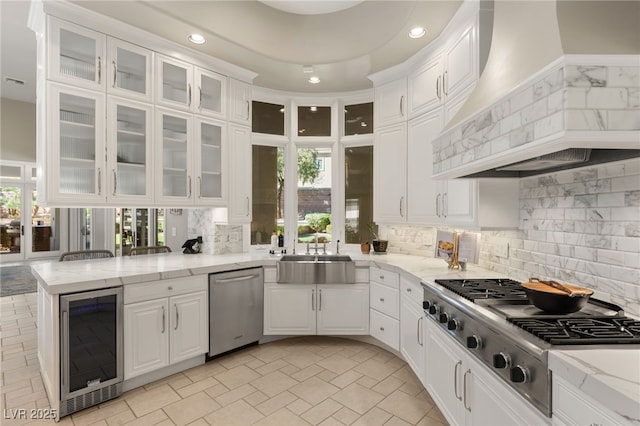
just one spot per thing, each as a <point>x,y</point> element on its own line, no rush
<point>560,90</point>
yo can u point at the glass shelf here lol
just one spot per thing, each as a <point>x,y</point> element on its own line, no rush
<point>79,68</point>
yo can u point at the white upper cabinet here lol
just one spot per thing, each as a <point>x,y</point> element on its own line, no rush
<point>390,179</point>
<point>174,83</point>
<point>210,162</point>
<point>461,63</point>
<point>425,87</point>
<point>129,151</point>
<point>130,70</point>
<point>240,153</point>
<point>76,55</point>
<point>390,103</point>
<point>240,102</point>
<point>211,93</point>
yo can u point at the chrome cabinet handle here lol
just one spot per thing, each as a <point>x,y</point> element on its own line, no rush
<point>438,87</point>
<point>420,331</point>
<point>65,327</point>
<point>444,84</point>
<point>401,102</point>
<point>163,320</point>
<point>464,390</point>
<point>445,205</point>
<point>200,98</point>
<point>455,380</point>
<point>248,107</point>
<point>189,95</point>
<point>438,205</point>
<point>319,299</point>
<point>199,187</point>
<point>99,69</point>
<point>115,182</point>
<point>313,303</point>
<point>401,205</point>
<point>248,211</point>
<point>115,73</point>
<point>189,179</point>
<point>99,181</point>
<point>175,306</point>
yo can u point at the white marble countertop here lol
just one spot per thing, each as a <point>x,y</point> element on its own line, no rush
<point>610,376</point>
<point>610,373</point>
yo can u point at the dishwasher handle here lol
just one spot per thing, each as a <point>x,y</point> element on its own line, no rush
<point>235,279</point>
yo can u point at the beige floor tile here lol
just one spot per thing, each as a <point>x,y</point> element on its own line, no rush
<point>239,413</point>
<point>282,417</point>
<point>255,398</point>
<point>176,381</point>
<point>375,369</point>
<point>345,379</point>
<point>299,406</point>
<point>272,405</point>
<point>272,366</point>
<point>314,390</point>
<point>396,421</point>
<point>326,375</point>
<point>291,369</point>
<point>435,415</point>
<point>358,398</point>
<point>235,395</point>
<point>274,383</point>
<point>407,407</point>
<point>210,369</point>
<point>152,418</point>
<point>367,382</point>
<point>236,360</point>
<point>237,376</point>
<point>302,359</point>
<point>149,401</point>
<point>363,355</point>
<point>373,417</point>
<point>189,409</point>
<point>199,422</point>
<point>321,411</point>
<point>217,390</point>
<point>337,364</point>
<point>121,418</point>
<point>331,422</point>
<point>269,353</point>
<point>196,387</point>
<point>255,363</point>
<point>388,385</point>
<point>305,373</point>
<point>346,415</point>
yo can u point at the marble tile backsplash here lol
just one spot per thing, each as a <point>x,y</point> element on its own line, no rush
<point>217,238</point>
<point>578,226</point>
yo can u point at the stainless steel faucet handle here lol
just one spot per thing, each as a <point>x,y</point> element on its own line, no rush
<point>324,248</point>
<point>337,246</point>
<point>308,252</point>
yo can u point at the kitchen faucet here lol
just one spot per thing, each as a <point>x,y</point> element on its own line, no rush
<point>315,249</point>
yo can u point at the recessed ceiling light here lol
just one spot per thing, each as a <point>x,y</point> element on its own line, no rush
<point>417,32</point>
<point>314,79</point>
<point>197,38</point>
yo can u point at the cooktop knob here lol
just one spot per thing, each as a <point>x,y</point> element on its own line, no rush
<point>452,324</point>
<point>426,304</point>
<point>443,318</point>
<point>474,342</point>
<point>519,374</point>
<point>433,309</point>
<point>501,360</point>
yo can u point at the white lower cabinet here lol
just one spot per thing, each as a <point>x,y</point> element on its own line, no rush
<point>384,304</point>
<point>572,407</point>
<point>303,309</point>
<point>164,330</point>
<point>466,392</point>
<point>412,322</point>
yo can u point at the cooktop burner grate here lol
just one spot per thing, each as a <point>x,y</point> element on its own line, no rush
<point>581,331</point>
<point>493,288</point>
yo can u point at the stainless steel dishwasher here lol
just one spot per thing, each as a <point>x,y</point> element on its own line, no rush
<point>235,309</point>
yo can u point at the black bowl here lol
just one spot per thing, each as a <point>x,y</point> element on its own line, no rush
<point>556,303</point>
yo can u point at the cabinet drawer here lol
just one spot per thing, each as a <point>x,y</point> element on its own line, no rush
<point>384,299</point>
<point>385,329</point>
<point>164,288</point>
<point>270,275</point>
<point>572,407</point>
<point>362,275</point>
<point>410,287</point>
<point>381,276</point>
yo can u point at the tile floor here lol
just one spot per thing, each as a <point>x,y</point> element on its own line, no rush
<point>299,381</point>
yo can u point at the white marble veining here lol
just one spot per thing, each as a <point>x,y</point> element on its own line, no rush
<point>610,376</point>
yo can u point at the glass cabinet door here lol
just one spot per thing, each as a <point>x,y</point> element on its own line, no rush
<point>76,54</point>
<point>129,70</point>
<point>211,92</point>
<point>174,158</point>
<point>209,137</point>
<point>76,166</point>
<point>129,150</point>
<point>174,86</point>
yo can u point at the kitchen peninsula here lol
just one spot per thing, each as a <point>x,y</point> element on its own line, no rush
<point>595,369</point>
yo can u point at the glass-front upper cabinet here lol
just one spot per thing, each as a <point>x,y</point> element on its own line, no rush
<point>211,93</point>
<point>130,70</point>
<point>76,160</point>
<point>129,151</point>
<point>209,163</point>
<point>174,83</point>
<point>173,159</point>
<point>76,55</point>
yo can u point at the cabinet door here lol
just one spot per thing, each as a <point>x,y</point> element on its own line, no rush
<point>289,309</point>
<point>425,87</point>
<point>390,103</point>
<point>189,326</point>
<point>210,162</point>
<point>240,102</point>
<point>173,157</point>
<point>343,309</point>
<point>174,85</point>
<point>390,179</point>
<point>76,164</point>
<point>146,337</point>
<point>422,190</point>
<point>460,202</point>
<point>411,332</point>
<point>129,70</point>
<point>444,375</point>
<point>76,55</point>
<point>211,94</point>
<point>461,67</point>
<point>129,151</point>
<point>239,174</point>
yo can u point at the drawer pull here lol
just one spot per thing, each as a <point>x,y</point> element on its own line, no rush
<point>408,290</point>
<point>382,299</point>
<point>382,277</point>
<point>169,288</point>
<point>381,328</point>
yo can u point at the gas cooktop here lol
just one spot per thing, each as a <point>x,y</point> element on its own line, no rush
<point>493,288</point>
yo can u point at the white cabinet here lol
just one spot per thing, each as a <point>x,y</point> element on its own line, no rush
<point>165,322</point>
<point>240,102</point>
<point>390,103</point>
<point>240,153</point>
<point>306,309</point>
<point>76,55</point>
<point>129,151</point>
<point>412,322</point>
<point>129,70</point>
<point>210,163</point>
<point>571,407</point>
<point>184,86</point>
<point>461,61</point>
<point>466,392</point>
<point>75,151</point>
<point>425,87</point>
<point>384,304</point>
<point>174,152</point>
<point>390,178</point>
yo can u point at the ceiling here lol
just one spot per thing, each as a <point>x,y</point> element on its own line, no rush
<point>343,41</point>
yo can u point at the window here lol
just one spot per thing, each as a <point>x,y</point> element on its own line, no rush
<point>268,193</point>
<point>267,118</point>
<point>358,193</point>
<point>358,119</point>
<point>138,228</point>
<point>314,121</point>
<point>314,195</point>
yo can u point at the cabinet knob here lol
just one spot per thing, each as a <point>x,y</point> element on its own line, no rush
<point>382,299</point>
<point>408,290</point>
<point>381,328</point>
<point>170,288</point>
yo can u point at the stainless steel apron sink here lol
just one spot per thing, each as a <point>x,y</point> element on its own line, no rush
<point>316,269</point>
